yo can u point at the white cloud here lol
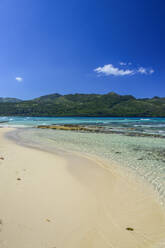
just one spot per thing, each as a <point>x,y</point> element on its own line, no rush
<point>111,70</point>
<point>19,79</point>
<point>142,70</point>
<point>115,71</point>
<point>151,71</point>
<point>123,63</point>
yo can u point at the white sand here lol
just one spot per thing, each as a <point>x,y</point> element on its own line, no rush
<point>72,202</point>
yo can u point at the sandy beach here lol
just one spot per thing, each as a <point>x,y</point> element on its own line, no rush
<point>50,201</point>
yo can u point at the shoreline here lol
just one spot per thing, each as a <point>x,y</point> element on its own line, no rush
<point>72,202</point>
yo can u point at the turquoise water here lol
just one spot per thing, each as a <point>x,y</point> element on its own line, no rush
<point>145,156</point>
<point>132,125</point>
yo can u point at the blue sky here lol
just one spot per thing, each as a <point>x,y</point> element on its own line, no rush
<point>82,46</point>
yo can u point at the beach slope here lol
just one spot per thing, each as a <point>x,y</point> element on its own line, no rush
<point>50,201</point>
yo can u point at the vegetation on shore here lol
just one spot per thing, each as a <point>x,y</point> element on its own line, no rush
<point>110,104</point>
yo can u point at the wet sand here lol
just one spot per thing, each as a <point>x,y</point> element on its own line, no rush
<point>49,201</point>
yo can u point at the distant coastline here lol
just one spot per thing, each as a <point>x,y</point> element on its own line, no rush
<point>84,105</point>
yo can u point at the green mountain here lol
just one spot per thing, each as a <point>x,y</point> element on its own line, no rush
<point>8,99</point>
<point>110,104</point>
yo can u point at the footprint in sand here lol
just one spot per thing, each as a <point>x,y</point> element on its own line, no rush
<point>129,229</point>
<point>1,223</point>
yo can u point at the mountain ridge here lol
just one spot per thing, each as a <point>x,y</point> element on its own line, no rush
<point>9,99</point>
<point>110,104</point>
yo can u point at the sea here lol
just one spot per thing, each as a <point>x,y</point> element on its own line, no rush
<point>137,144</point>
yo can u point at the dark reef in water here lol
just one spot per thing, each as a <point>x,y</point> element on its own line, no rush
<point>98,129</point>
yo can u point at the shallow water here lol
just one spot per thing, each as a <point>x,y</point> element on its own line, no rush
<point>145,156</point>
<point>129,125</point>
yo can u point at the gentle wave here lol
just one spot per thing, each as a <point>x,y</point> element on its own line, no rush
<point>150,125</point>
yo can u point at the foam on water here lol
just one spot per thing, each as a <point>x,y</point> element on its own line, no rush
<point>131,125</point>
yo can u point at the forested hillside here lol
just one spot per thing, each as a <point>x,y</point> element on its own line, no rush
<point>110,104</point>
